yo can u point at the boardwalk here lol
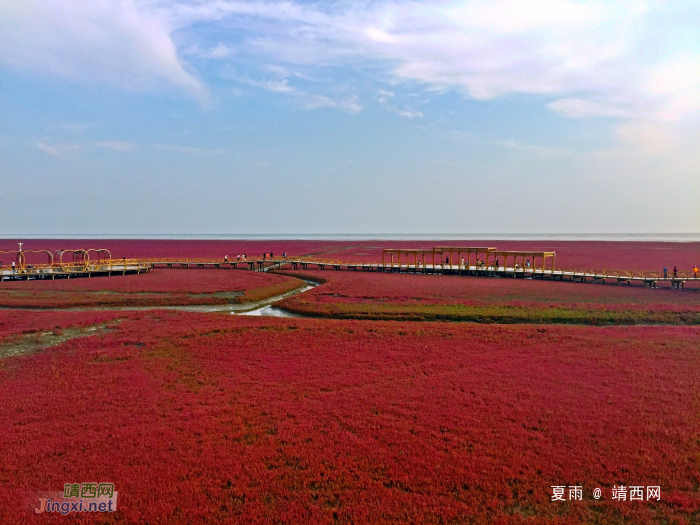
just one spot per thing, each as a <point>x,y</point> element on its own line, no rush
<point>135,266</point>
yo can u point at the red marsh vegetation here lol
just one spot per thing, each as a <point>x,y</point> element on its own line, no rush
<point>223,419</point>
<point>161,287</point>
<point>370,295</point>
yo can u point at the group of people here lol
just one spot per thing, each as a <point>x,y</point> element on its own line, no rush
<point>481,264</point>
<point>239,258</point>
<point>13,265</point>
<point>696,272</point>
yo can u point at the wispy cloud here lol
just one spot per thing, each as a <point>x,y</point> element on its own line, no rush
<point>58,150</point>
<point>586,59</point>
<point>348,104</point>
<point>116,145</point>
<point>75,127</point>
<point>125,43</point>
<point>598,57</point>
<point>218,52</point>
<point>189,150</point>
<point>535,150</point>
<point>410,113</point>
<point>274,86</point>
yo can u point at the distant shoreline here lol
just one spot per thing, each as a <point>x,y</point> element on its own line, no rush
<point>612,237</point>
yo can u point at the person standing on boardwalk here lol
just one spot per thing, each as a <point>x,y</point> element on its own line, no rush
<point>13,266</point>
<point>225,258</point>
<point>675,272</point>
<point>695,271</point>
<point>665,272</point>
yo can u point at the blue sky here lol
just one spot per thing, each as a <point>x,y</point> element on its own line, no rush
<point>247,117</point>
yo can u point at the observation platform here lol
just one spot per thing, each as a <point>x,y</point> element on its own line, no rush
<point>70,270</point>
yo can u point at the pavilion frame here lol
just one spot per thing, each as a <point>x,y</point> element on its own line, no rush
<point>459,250</point>
<point>78,255</point>
<point>531,256</point>
<point>407,252</point>
<point>22,261</point>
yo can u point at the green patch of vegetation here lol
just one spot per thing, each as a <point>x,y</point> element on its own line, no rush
<point>498,314</point>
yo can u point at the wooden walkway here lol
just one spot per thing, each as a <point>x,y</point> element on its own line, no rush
<point>136,266</point>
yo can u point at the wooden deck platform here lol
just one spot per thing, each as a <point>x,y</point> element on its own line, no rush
<point>68,271</point>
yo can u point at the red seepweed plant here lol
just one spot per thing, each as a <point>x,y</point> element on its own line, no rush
<point>223,419</point>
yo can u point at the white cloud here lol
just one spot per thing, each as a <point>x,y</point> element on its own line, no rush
<point>383,96</point>
<point>189,150</point>
<point>221,51</point>
<point>585,108</point>
<point>411,113</point>
<point>125,43</point>
<point>535,150</point>
<point>58,150</point>
<point>218,52</point>
<point>622,59</point>
<point>67,149</point>
<point>348,104</point>
<point>275,86</point>
<point>116,145</point>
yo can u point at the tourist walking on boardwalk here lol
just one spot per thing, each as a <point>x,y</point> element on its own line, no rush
<point>13,266</point>
<point>225,258</point>
<point>675,272</point>
<point>695,271</point>
<point>665,272</point>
